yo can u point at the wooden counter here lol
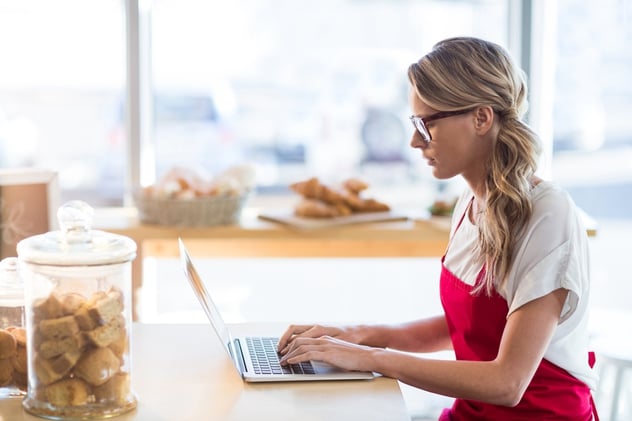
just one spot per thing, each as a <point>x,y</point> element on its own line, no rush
<point>254,237</point>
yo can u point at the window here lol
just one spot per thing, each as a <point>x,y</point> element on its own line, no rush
<point>592,148</point>
<point>300,89</point>
<point>62,80</point>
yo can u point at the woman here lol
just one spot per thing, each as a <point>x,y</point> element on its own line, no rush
<point>515,277</point>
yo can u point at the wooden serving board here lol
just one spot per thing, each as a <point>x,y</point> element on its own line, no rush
<point>288,218</point>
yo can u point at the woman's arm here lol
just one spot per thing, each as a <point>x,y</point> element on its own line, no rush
<point>427,335</point>
<point>501,381</point>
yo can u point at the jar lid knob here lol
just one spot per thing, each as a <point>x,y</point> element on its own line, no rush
<point>75,221</point>
<point>9,264</point>
<point>9,270</point>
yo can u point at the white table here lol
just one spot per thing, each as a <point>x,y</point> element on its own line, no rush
<point>181,373</point>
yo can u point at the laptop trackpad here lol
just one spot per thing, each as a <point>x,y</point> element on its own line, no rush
<point>324,368</point>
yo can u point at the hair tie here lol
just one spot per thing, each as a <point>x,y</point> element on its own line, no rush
<point>509,114</point>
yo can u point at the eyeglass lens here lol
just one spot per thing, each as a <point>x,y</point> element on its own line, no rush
<point>419,125</point>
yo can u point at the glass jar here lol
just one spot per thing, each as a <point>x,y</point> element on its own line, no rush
<point>13,371</point>
<point>78,318</point>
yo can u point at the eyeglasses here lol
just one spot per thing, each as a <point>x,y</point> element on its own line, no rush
<point>420,122</point>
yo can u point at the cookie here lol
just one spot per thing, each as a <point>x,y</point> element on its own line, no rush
<point>68,392</point>
<point>59,328</point>
<point>8,344</point>
<point>105,335</point>
<point>97,366</point>
<point>48,308</point>
<point>116,390</point>
<point>71,302</point>
<point>6,371</point>
<point>54,347</point>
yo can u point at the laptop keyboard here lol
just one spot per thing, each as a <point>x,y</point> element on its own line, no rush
<point>265,359</point>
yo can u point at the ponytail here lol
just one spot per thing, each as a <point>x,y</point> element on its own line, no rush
<point>508,207</point>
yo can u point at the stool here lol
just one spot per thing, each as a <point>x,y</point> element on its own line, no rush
<point>613,354</point>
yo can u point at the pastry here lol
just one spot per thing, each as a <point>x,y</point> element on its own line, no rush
<point>45,372</point>
<point>355,185</point>
<point>120,346</point>
<point>58,328</point>
<point>55,347</point>
<point>371,205</point>
<point>63,363</point>
<point>6,371</point>
<point>8,344</point>
<point>84,315</point>
<point>322,201</point>
<point>97,366</point>
<point>19,333</point>
<point>20,379</point>
<point>68,392</point>
<point>312,208</point>
<point>107,308</point>
<point>104,335</point>
<point>313,189</point>
<point>19,360</point>
<point>116,390</point>
<point>48,308</point>
<point>70,303</point>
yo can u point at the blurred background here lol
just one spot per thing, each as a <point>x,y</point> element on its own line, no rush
<point>296,89</point>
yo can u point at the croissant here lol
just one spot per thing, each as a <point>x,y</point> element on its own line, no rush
<point>355,185</point>
<point>322,201</point>
<point>313,189</point>
<point>312,208</point>
<point>371,205</point>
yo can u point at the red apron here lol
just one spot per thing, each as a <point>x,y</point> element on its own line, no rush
<point>476,324</point>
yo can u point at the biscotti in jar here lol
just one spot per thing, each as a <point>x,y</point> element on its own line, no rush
<point>78,319</point>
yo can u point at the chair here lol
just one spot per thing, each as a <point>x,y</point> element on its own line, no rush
<point>614,359</point>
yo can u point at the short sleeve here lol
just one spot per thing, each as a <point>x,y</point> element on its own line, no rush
<point>553,254</point>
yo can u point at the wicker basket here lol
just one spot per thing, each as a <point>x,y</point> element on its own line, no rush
<point>197,212</point>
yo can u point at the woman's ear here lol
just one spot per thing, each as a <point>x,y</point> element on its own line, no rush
<point>483,119</point>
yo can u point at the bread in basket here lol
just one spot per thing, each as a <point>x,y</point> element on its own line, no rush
<point>184,197</point>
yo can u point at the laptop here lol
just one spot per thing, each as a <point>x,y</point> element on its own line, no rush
<point>256,358</point>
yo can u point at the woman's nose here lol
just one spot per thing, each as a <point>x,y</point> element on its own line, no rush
<point>417,142</point>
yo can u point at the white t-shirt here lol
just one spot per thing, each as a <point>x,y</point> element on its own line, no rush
<point>552,253</point>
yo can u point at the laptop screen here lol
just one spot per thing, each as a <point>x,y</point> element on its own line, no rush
<point>205,299</point>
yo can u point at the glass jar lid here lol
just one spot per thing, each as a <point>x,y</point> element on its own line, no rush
<point>11,285</point>
<point>75,243</point>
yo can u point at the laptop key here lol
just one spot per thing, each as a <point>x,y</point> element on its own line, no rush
<point>266,358</point>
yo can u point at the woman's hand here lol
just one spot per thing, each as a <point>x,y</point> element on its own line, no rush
<point>334,351</point>
<point>348,334</point>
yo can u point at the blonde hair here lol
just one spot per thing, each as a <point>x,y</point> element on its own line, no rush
<point>461,73</point>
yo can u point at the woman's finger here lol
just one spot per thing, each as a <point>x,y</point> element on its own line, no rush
<point>290,332</point>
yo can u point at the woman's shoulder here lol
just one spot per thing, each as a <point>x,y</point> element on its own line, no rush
<point>550,197</point>
<point>555,214</point>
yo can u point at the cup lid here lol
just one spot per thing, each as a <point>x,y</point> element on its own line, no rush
<point>75,243</point>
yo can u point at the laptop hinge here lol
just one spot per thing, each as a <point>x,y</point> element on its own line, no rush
<point>239,357</point>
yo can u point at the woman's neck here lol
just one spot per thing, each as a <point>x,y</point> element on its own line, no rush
<point>477,207</point>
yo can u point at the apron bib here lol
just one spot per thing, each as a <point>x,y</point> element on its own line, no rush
<point>476,324</point>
